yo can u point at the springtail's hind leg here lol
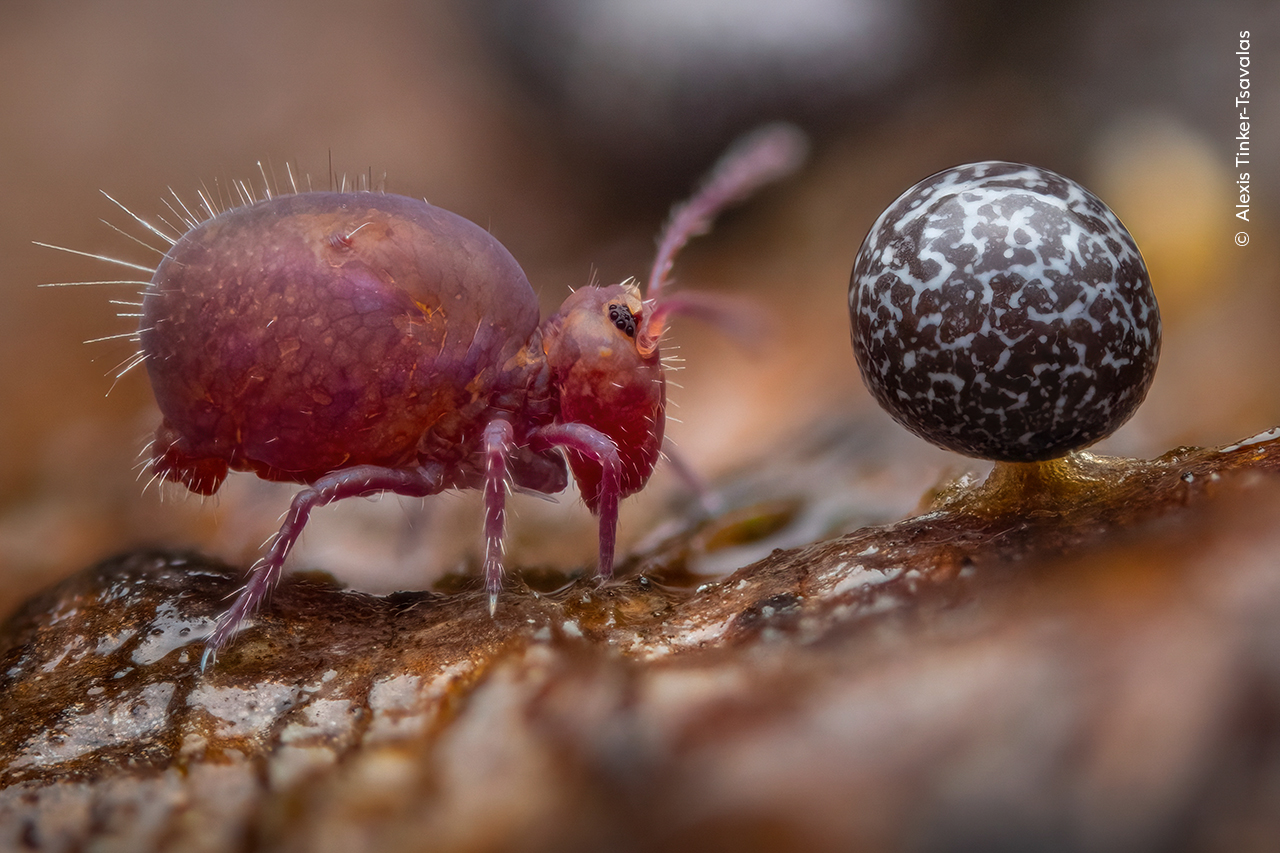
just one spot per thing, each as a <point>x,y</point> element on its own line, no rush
<point>360,481</point>
<point>497,444</point>
<point>592,443</point>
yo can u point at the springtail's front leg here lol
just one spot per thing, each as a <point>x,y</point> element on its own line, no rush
<point>595,445</point>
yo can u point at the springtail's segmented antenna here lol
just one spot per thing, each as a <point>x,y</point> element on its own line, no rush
<point>761,157</point>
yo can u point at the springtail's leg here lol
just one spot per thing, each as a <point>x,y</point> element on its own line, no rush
<point>354,482</point>
<point>595,445</point>
<point>707,502</point>
<point>497,444</point>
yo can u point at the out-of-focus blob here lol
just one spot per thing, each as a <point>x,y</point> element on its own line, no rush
<point>653,87</point>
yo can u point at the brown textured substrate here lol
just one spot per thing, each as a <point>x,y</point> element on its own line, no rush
<point>1096,672</point>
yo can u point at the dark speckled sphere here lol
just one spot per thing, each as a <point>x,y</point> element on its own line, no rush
<point>1002,311</point>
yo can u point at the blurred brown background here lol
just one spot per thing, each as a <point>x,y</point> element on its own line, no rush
<point>568,128</point>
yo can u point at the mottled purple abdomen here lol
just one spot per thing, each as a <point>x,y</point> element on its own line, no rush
<point>312,332</point>
<point>1004,312</point>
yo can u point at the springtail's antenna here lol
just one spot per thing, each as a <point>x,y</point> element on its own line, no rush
<point>761,157</point>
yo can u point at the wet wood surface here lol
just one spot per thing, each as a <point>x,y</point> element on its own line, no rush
<point>1098,673</point>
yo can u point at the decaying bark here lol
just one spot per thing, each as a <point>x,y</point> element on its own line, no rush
<point>1095,671</point>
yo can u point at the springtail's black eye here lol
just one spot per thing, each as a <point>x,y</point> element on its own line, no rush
<point>623,318</point>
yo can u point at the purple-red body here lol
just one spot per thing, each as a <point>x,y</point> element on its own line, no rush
<point>362,342</point>
<point>313,332</point>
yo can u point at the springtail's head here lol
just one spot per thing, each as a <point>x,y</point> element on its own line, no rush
<point>603,343</point>
<point>606,382</point>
